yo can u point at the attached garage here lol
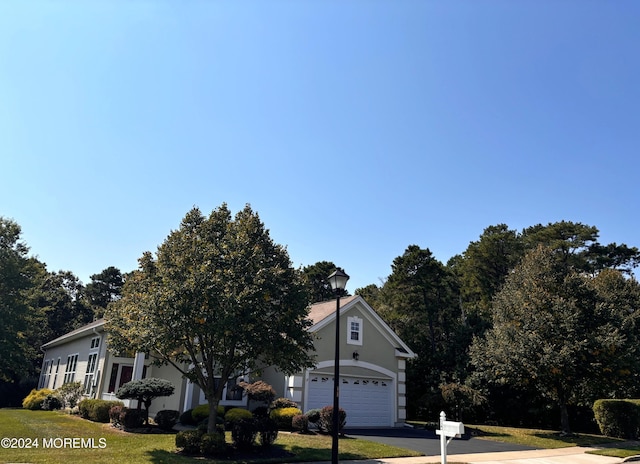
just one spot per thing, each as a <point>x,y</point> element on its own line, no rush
<point>368,402</point>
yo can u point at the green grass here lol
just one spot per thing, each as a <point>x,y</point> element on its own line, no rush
<point>151,448</point>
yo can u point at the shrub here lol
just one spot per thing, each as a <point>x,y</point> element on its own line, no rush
<point>259,391</point>
<point>35,398</point>
<point>313,415</point>
<point>114,415</point>
<point>261,411</point>
<point>186,418</point>
<point>167,418</point>
<point>212,444</point>
<point>244,432</point>
<point>70,393</point>
<point>233,415</point>
<point>283,403</point>
<point>284,416</point>
<point>132,418</point>
<point>189,441</point>
<point>325,424</point>
<point>201,412</point>
<point>300,423</point>
<point>97,410</point>
<point>145,391</point>
<point>267,430</point>
<point>51,402</point>
<point>618,418</point>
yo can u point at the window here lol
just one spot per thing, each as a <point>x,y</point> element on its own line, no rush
<point>89,374</point>
<point>70,369</point>
<point>95,343</point>
<point>55,377</point>
<point>45,374</point>
<point>354,331</point>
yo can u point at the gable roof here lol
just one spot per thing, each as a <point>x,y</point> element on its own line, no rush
<point>324,313</point>
<point>95,326</point>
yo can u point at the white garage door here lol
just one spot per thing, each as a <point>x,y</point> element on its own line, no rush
<point>367,402</point>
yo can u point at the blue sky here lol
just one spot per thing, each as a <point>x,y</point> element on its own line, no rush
<point>354,128</point>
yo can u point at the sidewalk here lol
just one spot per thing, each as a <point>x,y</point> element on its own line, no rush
<point>570,455</point>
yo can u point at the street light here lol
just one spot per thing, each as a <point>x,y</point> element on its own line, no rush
<point>338,281</point>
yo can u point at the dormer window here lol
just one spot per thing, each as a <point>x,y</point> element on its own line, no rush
<point>354,330</point>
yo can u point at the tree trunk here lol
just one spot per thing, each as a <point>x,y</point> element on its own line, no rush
<point>213,413</point>
<point>564,419</point>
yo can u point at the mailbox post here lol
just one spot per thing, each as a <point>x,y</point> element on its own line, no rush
<point>448,429</point>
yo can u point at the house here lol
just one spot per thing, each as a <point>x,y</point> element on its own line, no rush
<point>372,368</point>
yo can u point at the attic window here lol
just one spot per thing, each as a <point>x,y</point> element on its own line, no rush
<point>354,331</point>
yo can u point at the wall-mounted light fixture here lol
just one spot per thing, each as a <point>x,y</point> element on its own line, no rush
<point>356,355</point>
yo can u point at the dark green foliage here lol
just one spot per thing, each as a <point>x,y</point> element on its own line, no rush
<point>201,412</point>
<point>315,279</point>
<point>283,403</point>
<point>97,410</point>
<point>132,418</point>
<point>300,422</point>
<point>51,403</point>
<point>244,432</point>
<point>325,424</point>
<point>104,288</point>
<point>284,416</point>
<point>212,444</point>
<point>267,430</point>
<point>260,411</point>
<point>189,441</point>
<point>618,418</point>
<point>313,415</point>
<point>167,418</point>
<point>186,418</point>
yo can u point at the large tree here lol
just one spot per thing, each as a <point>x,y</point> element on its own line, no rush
<point>14,308</point>
<point>315,278</point>
<point>218,300</point>
<point>560,332</point>
<point>104,288</point>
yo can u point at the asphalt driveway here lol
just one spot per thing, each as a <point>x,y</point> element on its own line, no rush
<point>428,443</point>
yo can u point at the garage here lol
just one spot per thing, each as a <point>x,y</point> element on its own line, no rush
<point>367,401</point>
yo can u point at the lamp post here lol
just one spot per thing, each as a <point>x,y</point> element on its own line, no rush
<point>338,281</point>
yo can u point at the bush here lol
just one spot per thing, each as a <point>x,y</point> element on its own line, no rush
<point>132,418</point>
<point>284,416</point>
<point>313,415</point>
<point>244,432</point>
<point>167,418</point>
<point>212,444</point>
<point>189,441</point>
<point>52,402</point>
<point>261,411</point>
<point>259,391</point>
<point>114,415</point>
<point>97,410</point>
<point>201,412</point>
<point>35,398</point>
<point>325,424</point>
<point>300,423</point>
<point>186,418</point>
<point>70,393</point>
<point>267,430</point>
<point>618,418</point>
<point>233,415</point>
<point>283,403</point>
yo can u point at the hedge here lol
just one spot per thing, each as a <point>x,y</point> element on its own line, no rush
<point>618,418</point>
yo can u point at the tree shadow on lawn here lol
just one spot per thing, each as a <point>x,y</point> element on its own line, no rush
<point>270,455</point>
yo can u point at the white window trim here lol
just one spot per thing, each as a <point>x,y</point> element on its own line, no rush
<point>358,320</point>
<point>70,368</point>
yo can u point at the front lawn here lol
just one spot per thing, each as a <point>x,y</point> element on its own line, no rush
<point>101,443</point>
